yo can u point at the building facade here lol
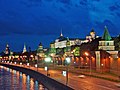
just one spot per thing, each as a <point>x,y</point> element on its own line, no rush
<point>106,51</point>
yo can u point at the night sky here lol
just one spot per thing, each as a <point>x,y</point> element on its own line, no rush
<point>35,21</point>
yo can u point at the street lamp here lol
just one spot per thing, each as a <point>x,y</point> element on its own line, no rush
<point>36,66</point>
<point>87,54</point>
<point>68,60</point>
<point>102,67</point>
<point>14,62</point>
<point>28,65</point>
<point>53,60</point>
<point>20,63</point>
<point>47,60</point>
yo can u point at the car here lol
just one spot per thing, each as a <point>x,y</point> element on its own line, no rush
<point>118,85</point>
<point>81,76</point>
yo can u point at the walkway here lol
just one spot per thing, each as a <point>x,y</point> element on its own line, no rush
<point>77,83</point>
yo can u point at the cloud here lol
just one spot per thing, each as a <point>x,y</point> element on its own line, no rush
<point>5,28</point>
<point>64,1</point>
<point>31,3</point>
<point>118,14</point>
<point>8,28</point>
<point>111,26</point>
<point>62,10</point>
<point>36,1</point>
<point>96,0</point>
<point>83,2</point>
<point>49,0</point>
<point>43,19</point>
<point>114,7</point>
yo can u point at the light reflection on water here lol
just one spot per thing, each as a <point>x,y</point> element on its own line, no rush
<point>15,80</point>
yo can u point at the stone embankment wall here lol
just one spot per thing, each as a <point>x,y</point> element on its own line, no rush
<point>49,83</point>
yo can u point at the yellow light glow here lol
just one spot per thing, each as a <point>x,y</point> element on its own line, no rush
<point>86,54</point>
<point>31,56</point>
<point>48,59</point>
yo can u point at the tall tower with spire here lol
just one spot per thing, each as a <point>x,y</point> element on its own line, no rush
<point>40,48</point>
<point>24,49</point>
<point>61,33</point>
<point>40,51</point>
<point>106,36</point>
<point>7,49</point>
<point>106,43</point>
<point>92,34</point>
<point>52,48</point>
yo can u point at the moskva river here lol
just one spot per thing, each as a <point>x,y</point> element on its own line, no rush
<point>15,80</point>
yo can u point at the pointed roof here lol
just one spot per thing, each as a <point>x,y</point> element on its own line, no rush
<point>24,49</point>
<point>40,44</point>
<point>7,45</point>
<point>106,36</point>
<point>92,30</point>
<point>61,37</point>
<point>40,48</point>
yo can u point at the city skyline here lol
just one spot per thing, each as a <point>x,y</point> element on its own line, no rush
<point>88,37</point>
<point>35,21</point>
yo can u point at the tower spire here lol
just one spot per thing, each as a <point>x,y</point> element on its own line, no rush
<point>106,36</point>
<point>24,49</point>
<point>61,33</point>
<point>7,49</point>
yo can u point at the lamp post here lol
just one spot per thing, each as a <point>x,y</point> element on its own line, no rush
<point>20,63</point>
<point>102,67</point>
<point>87,54</point>
<point>36,65</point>
<point>67,62</point>
<point>53,61</point>
<point>47,60</point>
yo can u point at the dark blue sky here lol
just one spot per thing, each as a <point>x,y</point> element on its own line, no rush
<point>34,21</point>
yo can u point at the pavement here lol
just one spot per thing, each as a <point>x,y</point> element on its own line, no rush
<point>91,81</point>
<point>102,75</point>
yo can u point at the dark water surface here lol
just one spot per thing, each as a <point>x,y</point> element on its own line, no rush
<point>15,80</point>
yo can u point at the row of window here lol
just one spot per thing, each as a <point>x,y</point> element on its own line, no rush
<point>107,47</point>
<point>106,43</point>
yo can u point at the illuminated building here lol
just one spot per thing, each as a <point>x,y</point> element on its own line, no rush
<point>60,42</point>
<point>63,47</point>
<point>106,45</point>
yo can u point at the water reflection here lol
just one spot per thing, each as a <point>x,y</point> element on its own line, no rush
<point>15,80</point>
